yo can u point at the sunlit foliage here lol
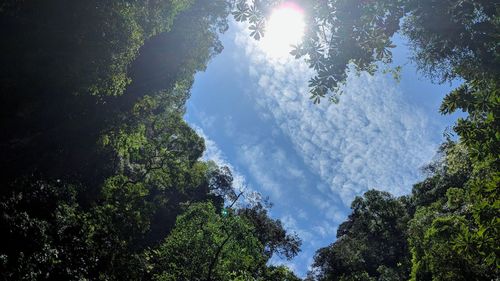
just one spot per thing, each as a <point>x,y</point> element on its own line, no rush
<point>450,39</point>
<point>97,161</point>
<point>102,179</point>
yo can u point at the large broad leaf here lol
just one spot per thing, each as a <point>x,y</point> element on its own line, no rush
<point>257,30</point>
<point>242,12</point>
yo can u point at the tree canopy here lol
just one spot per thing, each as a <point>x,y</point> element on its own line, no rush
<point>450,39</point>
<point>102,179</point>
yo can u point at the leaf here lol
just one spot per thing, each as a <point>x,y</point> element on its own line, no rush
<point>241,13</point>
<point>257,30</point>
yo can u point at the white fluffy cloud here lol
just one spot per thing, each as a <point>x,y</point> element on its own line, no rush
<point>213,153</point>
<point>372,139</point>
<point>258,165</point>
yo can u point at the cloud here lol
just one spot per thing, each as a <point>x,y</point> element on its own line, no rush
<point>275,173</point>
<point>291,225</point>
<point>312,160</point>
<point>372,139</point>
<point>213,153</point>
<point>258,165</point>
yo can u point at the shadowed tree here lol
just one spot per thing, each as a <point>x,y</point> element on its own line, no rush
<point>371,244</point>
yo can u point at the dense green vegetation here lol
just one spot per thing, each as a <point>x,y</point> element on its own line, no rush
<point>449,227</point>
<point>97,161</point>
<point>102,179</point>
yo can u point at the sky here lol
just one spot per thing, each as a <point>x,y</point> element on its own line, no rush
<point>311,160</point>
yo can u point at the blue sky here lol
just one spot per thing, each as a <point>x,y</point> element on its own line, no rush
<point>312,160</point>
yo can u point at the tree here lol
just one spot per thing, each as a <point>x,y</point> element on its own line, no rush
<point>96,170</point>
<point>214,243</point>
<point>207,246</point>
<point>447,238</point>
<point>68,78</point>
<point>371,244</point>
<point>449,39</point>
<point>279,273</point>
<point>271,233</point>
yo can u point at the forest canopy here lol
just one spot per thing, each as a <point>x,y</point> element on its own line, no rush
<point>102,179</point>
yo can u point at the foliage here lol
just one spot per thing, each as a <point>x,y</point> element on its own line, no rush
<point>97,161</point>
<point>50,113</point>
<point>450,222</point>
<point>449,38</point>
<point>271,233</point>
<point>371,244</point>
<point>279,273</point>
<point>102,179</point>
<point>452,237</point>
<point>228,246</point>
<point>210,243</point>
<point>454,222</point>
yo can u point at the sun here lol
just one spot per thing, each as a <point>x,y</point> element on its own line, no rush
<point>284,28</point>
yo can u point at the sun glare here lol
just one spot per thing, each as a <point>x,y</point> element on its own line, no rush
<point>284,28</point>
